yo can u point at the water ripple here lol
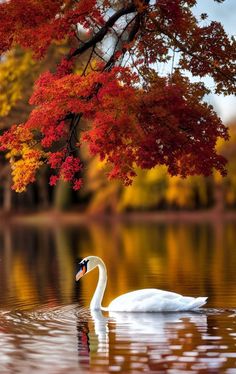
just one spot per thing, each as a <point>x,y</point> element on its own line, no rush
<point>70,338</point>
<point>40,339</point>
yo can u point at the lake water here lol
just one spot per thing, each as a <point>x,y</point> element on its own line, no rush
<point>45,323</point>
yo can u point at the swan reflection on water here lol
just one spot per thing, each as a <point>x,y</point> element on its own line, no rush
<point>145,325</point>
<point>142,340</point>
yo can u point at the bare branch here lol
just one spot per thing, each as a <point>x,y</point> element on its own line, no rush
<point>98,37</point>
<point>88,61</point>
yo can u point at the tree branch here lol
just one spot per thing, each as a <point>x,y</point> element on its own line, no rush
<point>103,31</point>
<point>186,50</point>
<point>130,38</point>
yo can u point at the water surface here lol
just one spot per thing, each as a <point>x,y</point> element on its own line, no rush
<point>45,323</point>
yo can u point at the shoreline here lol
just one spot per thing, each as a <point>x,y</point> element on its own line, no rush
<point>56,218</point>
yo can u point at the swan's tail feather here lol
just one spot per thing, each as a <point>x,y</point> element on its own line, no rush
<point>198,302</point>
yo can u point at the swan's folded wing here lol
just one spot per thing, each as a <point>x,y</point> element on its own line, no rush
<point>154,300</point>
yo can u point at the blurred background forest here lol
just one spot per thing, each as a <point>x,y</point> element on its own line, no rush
<point>152,190</point>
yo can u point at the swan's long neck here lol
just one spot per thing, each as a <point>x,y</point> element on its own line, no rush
<point>99,292</point>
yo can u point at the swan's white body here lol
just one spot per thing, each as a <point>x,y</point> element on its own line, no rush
<point>145,300</point>
<point>154,300</point>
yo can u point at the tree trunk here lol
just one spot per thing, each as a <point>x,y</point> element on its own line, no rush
<point>43,190</point>
<point>7,194</point>
<point>219,198</point>
<point>62,196</point>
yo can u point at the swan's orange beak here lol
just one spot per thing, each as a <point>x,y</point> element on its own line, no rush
<point>80,273</point>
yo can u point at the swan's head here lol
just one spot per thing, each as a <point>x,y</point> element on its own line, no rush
<point>85,266</point>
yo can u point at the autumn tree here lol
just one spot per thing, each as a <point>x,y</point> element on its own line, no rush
<point>132,115</point>
<point>18,71</point>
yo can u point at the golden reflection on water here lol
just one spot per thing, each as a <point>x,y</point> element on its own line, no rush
<point>41,307</point>
<point>38,265</point>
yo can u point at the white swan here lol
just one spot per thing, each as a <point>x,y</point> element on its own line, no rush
<point>145,300</point>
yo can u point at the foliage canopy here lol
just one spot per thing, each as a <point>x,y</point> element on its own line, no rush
<point>119,104</point>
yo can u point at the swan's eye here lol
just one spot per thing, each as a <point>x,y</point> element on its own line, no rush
<point>83,265</point>
<point>83,262</point>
